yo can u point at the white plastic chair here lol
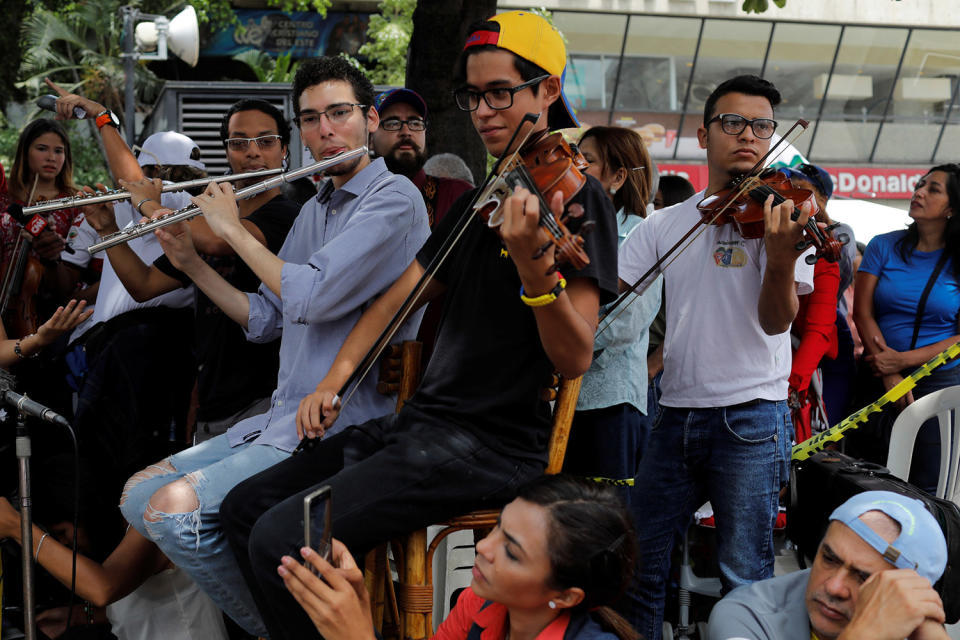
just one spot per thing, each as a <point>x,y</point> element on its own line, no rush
<point>943,405</point>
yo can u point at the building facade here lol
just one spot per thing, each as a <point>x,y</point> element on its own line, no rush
<point>876,79</point>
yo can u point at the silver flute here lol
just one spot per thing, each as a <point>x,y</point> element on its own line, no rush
<point>120,194</point>
<point>192,211</point>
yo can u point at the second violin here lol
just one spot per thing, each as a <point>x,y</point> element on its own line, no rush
<point>743,201</point>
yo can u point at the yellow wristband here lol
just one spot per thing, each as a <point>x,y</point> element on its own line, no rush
<point>545,299</point>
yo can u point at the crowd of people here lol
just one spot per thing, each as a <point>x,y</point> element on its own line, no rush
<point>237,332</point>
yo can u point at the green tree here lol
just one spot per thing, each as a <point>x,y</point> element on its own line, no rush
<point>266,67</point>
<point>759,6</point>
<point>388,39</point>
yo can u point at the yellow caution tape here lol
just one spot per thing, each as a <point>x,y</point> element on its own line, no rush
<point>810,446</point>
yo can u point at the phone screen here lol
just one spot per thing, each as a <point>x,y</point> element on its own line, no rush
<point>317,529</point>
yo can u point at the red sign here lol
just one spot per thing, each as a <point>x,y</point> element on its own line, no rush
<point>862,183</point>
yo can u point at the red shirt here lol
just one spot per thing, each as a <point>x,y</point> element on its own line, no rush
<point>492,619</point>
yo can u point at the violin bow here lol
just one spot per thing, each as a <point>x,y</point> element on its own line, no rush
<point>699,227</point>
<point>366,364</point>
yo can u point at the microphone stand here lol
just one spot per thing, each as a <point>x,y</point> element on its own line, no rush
<point>24,450</point>
<point>26,526</point>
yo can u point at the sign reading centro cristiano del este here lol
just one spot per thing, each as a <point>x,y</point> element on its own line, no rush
<point>852,182</point>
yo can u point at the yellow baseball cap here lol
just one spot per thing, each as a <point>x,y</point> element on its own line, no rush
<point>535,40</point>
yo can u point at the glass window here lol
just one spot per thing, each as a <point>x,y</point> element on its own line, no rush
<point>593,51</point>
<point>658,59</point>
<point>800,53</point>
<point>864,73</point>
<point>856,94</point>
<point>949,149</point>
<point>657,62</point>
<point>729,48</point>
<point>921,97</point>
<point>843,140</point>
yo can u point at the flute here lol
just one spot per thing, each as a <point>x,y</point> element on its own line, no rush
<point>120,194</point>
<point>192,211</point>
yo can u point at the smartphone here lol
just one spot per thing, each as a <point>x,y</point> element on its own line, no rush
<point>317,527</point>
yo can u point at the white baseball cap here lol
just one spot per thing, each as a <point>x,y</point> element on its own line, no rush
<point>170,148</point>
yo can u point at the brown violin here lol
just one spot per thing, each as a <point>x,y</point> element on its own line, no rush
<point>543,166</point>
<point>741,204</point>
<point>21,283</point>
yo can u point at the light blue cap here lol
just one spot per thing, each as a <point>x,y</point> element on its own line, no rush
<point>920,546</point>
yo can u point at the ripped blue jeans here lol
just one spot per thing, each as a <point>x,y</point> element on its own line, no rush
<point>189,531</point>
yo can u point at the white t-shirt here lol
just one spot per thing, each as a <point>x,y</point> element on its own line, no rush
<point>112,298</point>
<point>168,606</point>
<point>715,352</point>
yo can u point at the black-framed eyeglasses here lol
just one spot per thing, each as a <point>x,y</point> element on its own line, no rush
<point>733,124</point>
<point>336,114</point>
<point>263,142</point>
<point>395,124</point>
<point>498,99</point>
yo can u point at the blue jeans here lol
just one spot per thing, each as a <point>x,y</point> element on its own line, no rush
<point>607,443</point>
<point>738,458</point>
<point>388,476</point>
<point>194,540</point>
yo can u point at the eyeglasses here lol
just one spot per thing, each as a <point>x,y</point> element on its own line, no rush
<point>733,124</point>
<point>336,114</point>
<point>498,99</point>
<point>395,124</point>
<point>263,142</point>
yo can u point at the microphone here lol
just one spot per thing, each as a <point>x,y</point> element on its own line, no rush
<point>25,404</point>
<point>49,102</point>
<point>34,224</point>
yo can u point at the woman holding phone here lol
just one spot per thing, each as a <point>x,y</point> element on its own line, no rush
<point>562,552</point>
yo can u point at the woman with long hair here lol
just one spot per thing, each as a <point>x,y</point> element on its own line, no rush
<point>609,431</point>
<point>907,297</point>
<point>42,170</point>
<point>561,554</point>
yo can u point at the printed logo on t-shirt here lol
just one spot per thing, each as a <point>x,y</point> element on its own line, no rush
<point>729,256</point>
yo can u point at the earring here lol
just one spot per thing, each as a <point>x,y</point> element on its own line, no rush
<point>613,191</point>
<point>552,604</point>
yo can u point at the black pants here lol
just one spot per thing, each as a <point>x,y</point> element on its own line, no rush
<point>388,476</point>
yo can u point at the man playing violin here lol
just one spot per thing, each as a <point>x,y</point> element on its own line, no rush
<point>724,430</point>
<point>476,427</point>
<point>345,248</point>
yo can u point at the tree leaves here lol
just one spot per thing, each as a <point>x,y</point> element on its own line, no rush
<point>759,6</point>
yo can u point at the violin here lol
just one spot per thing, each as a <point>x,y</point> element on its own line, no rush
<point>543,166</point>
<point>741,204</point>
<point>23,274</point>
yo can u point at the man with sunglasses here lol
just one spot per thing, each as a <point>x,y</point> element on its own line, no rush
<point>723,433</point>
<point>347,245</point>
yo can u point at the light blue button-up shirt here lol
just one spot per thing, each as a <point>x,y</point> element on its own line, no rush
<point>346,247</point>
<point>618,373</point>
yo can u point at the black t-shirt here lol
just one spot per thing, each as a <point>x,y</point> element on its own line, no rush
<point>488,365</point>
<point>233,372</point>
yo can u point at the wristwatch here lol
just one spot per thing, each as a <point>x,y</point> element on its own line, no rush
<point>107,117</point>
